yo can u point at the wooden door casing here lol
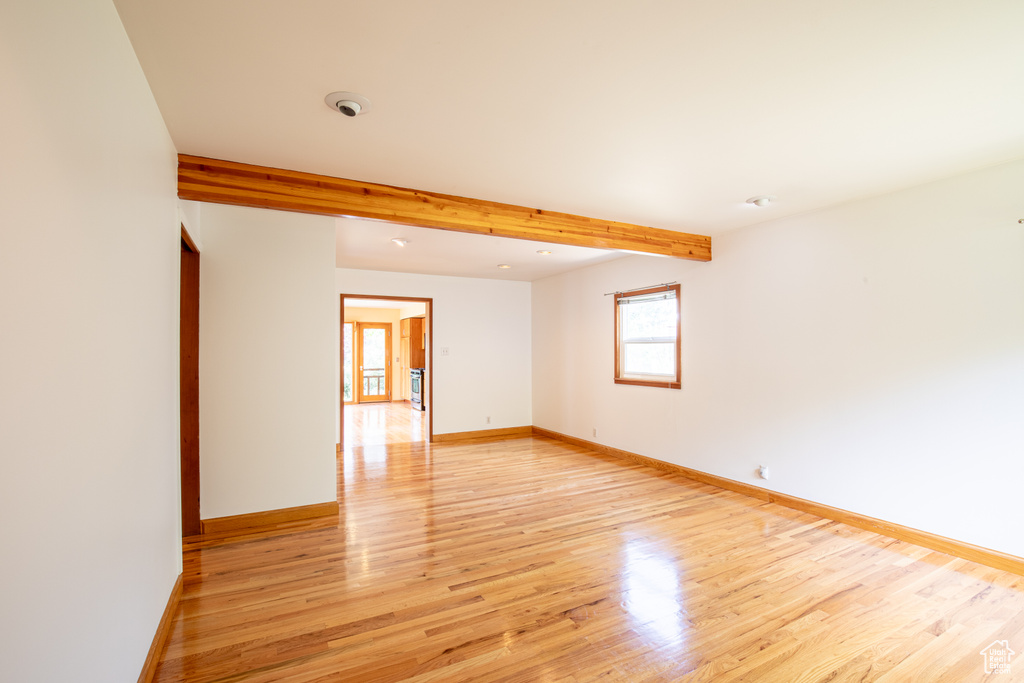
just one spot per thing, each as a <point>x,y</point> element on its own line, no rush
<point>189,387</point>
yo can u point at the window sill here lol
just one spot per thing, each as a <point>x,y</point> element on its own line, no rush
<point>671,384</point>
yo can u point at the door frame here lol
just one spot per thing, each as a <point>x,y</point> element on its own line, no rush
<point>429,301</point>
<point>188,368</point>
<point>358,376</point>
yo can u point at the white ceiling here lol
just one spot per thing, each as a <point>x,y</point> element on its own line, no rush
<point>356,302</point>
<point>656,112</point>
<point>367,245</point>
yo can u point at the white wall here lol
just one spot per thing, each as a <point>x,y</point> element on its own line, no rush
<point>188,215</point>
<point>871,355</point>
<point>89,244</point>
<point>268,326</point>
<point>413,310</point>
<point>485,325</point>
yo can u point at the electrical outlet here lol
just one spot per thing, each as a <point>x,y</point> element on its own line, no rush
<point>595,432</point>
<point>488,419</point>
<point>444,350</point>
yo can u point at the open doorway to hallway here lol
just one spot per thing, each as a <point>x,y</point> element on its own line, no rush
<point>386,374</point>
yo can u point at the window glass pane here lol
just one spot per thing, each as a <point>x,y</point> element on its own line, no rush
<point>347,341</point>
<point>373,349</point>
<point>650,359</point>
<point>649,319</point>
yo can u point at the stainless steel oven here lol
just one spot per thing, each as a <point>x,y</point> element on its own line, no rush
<point>418,378</point>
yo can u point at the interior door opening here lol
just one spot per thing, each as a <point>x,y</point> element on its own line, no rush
<point>386,378</point>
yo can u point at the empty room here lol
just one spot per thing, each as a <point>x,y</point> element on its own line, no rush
<point>566,341</point>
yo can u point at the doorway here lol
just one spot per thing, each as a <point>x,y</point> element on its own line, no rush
<point>395,409</point>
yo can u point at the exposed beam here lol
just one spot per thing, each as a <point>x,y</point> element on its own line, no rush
<point>227,182</point>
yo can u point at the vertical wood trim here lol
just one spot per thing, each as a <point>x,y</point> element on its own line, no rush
<point>430,370</point>
<point>163,631</point>
<point>341,375</point>
<point>615,342</point>
<point>189,386</point>
<point>679,336</point>
<point>357,361</point>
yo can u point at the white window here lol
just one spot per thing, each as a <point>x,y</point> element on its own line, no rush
<point>647,348</point>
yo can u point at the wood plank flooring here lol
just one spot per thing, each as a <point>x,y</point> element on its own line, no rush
<point>527,559</point>
<point>377,424</point>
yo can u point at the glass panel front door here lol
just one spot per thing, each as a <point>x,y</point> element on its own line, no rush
<point>374,351</point>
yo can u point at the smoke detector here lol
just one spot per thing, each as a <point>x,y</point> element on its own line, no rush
<point>348,103</point>
<point>762,200</point>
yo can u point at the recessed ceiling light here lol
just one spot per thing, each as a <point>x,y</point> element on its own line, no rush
<point>543,252</point>
<point>348,103</point>
<point>400,241</point>
<point>504,265</point>
<point>762,200</point>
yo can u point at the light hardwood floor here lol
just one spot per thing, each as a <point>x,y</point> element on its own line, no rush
<point>527,559</point>
<point>377,424</point>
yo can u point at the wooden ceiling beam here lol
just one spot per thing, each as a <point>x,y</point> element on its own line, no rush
<point>227,182</point>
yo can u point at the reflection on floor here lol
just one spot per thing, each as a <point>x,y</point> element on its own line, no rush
<point>529,560</point>
<point>377,424</point>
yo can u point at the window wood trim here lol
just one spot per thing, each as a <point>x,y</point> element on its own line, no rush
<point>619,379</point>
